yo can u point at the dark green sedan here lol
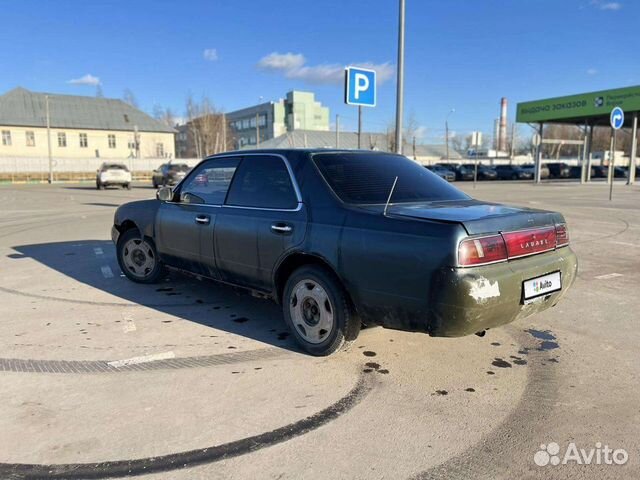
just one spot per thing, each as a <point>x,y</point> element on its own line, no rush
<point>343,238</point>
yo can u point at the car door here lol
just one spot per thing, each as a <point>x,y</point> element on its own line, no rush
<point>263,217</point>
<point>185,226</point>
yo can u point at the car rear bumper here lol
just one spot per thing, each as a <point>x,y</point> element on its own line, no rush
<point>469,300</point>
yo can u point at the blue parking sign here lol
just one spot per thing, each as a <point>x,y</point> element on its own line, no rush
<point>360,87</point>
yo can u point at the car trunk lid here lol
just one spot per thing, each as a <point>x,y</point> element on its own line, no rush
<point>476,216</point>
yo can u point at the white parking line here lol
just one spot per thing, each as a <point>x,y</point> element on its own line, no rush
<point>129,325</point>
<point>142,359</point>
<point>106,271</point>
<point>608,276</point>
<point>626,244</point>
<point>98,251</point>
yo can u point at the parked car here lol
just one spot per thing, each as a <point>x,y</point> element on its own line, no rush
<point>442,172</point>
<point>485,172</point>
<point>111,173</point>
<point>544,170</point>
<point>343,238</point>
<point>558,170</point>
<point>513,172</point>
<point>169,174</point>
<point>462,172</point>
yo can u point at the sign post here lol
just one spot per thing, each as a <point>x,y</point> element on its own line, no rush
<point>360,90</point>
<point>617,120</point>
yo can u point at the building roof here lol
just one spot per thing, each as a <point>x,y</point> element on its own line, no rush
<point>349,140</point>
<point>21,107</point>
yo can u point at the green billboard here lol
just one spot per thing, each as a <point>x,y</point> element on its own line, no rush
<point>579,106</point>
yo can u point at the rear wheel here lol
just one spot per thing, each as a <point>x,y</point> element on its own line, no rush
<point>318,311</point>
<point>138,258</point>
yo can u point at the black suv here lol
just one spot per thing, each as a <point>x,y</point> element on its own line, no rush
<point>513,172</point>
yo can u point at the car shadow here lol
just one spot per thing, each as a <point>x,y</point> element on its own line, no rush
<point>205,302</point>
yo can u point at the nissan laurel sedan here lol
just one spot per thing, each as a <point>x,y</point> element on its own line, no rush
<point>345,238</point>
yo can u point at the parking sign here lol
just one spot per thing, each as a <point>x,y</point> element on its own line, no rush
<point>360,87</point>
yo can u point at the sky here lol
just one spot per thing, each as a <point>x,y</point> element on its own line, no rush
<point>461,55</point>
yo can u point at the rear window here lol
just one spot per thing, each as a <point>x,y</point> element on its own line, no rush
<point>362,178</point>
<point>114,166</point>
<point>179,168</point>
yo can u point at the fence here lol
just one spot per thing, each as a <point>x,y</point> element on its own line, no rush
<point>36,169</point>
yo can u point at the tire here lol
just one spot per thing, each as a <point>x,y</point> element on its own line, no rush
<point>138,258</point>
<point>514,176</point>
<point>333,310</point>
<point>127,186</point>
<point>99,186</point>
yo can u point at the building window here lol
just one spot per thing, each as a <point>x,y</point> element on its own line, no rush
<point>245,123</point>
<point>62,139</point>
<point>30,138</point>
<point>159,149</point>
<point>262,121</point>
<point>112,141</point>
<point>84,143</point>
<point>6,138</point>
<point>252,122</point>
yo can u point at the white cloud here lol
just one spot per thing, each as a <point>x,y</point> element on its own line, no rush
<point>87,79</point>
<point>592,71</point>
<point>604,5</point>
<point>293,65</point>
<point>421,132</point>
<point>210,54</point>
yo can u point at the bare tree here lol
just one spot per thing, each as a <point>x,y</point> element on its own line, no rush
<point>129,97</point>
<point>207,128</point>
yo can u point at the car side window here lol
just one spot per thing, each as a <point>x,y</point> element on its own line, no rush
<point>262,182</point>
<point>209,182</point>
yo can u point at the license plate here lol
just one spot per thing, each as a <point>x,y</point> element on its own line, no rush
<point>539,286</point>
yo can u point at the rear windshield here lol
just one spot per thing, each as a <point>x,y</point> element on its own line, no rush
<point>362,178</point>
<point>179,168</point>
<point>114,166</point>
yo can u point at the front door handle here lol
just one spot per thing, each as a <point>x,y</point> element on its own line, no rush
<point>281,228</point>
<point>203,219</point>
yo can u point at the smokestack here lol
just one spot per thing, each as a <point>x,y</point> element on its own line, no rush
<point>502,134</point>
<point>496,134</point>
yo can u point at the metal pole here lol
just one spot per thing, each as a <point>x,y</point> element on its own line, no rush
<point>589,153</point>
<point>46,98</point>
<point>359,124</point>
<point>446,136</point>
<point>414,149</point>
<point>337,131</point>
<point>475,170</point>
<point>583,163</point>
<point>611,154</point>
<point>539,155</point>
<point>400,79</point>
<point>257,132</point>
<point>612,164</point>
<point>634,148</point>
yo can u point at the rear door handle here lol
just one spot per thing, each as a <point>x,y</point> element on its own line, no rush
<point>203,219</point>
<point>281,228</point>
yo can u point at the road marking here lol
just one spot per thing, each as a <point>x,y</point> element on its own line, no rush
<point>608,276</point>
<point>142,359</point>
<point>106,272</point>
<point>98,251</point>
<point>129,325</point>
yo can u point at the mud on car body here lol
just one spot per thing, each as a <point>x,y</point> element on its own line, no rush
<point>341,238</point>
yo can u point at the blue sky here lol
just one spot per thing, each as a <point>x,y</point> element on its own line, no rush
<point>459,54</point>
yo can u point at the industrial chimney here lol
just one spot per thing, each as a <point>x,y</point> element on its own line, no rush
<point>502,133</point>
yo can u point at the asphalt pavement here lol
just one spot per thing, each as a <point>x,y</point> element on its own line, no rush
<point>188,379</point>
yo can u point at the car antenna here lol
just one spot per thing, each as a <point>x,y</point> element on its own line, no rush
<point>393,187</point>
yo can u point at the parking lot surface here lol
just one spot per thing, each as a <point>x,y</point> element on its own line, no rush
<point>101,377</point>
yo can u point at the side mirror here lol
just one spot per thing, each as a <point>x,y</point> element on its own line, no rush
<point>165,194</point>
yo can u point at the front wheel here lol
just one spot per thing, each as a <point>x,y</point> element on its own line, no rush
<point>318,311</point>
<point>138,258</point>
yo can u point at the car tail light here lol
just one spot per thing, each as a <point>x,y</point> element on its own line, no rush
<point>562,235</point>
<point>482,250</point>
<point>527,242</point>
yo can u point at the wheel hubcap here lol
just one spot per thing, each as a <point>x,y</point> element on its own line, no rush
<point>138,257</point>
<point>311,311</point>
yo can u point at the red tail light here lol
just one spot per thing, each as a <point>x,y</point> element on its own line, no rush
<point>477,251</point>
<point>562,235</point>
<point>526,242</point>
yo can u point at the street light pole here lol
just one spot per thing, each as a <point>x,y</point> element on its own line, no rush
<point>446,130</point>
<point>400,79</point>
<point>46,99</point>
